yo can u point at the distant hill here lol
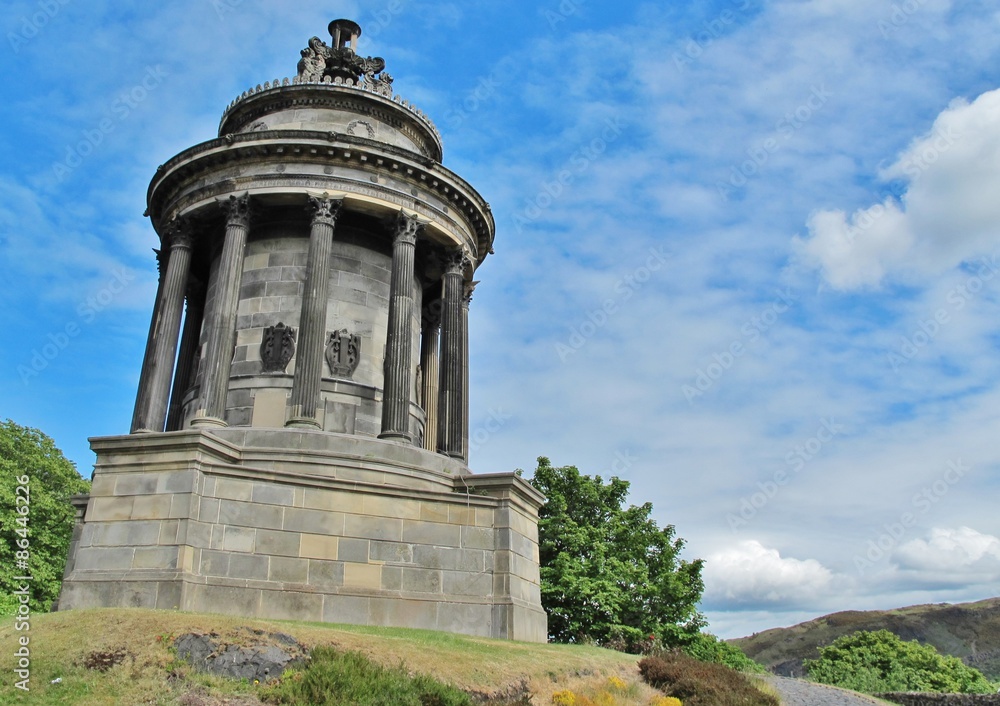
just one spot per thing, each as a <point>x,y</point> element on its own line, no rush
<point>969,631</point>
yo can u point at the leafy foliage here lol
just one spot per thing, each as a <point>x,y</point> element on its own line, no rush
<point>698,683</point>
<point>608,572</point>
<point>351,679</point>
<point>52,479</point>
<point>708,648</point>
<point>873,662</point>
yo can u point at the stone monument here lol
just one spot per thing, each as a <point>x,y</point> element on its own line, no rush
<point>299,447</point>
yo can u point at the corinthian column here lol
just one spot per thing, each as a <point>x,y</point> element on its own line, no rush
<point>188,352</point>
<point>398,347</point>
<point>141,403</point>
<point>451,413</point>
<point>429,363</point>
<point>221,325</point>
<point>312,321</point>
<point>467,290</point>
<point>151,403</point>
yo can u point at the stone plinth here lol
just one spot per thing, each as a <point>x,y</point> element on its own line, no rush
<point>308,525</point>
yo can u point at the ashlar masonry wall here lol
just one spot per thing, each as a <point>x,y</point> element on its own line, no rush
<point>315,529</point>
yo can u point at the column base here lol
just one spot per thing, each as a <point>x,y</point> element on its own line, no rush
<point>208,423</point>
<point>303,423</point>
<point>396,436</point>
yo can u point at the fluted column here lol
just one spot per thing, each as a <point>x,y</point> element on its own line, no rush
<point>312,320</point>
<point>429,363</point>
<point>221,325</point>
<point>151,404</point>
<point>398,346</point>
<point>141,403</point>
<point>467,290</point>
<point>451,415</point>
<point>188,353</point>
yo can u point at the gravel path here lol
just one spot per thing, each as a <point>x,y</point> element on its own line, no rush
<point>797,692</point>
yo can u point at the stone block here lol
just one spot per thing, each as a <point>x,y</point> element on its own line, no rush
<point>238,539</point>
<point>364,527</point>
<point>104,558</point>
<point>449,558</point>
<point>168,595</point>
<point>433,511</point>
<point>392,552</point>
<point>387,506</point>
<point>127,534</point>
<point>316,546</point>
<point>269,408</point>
<point>288,570</point>
<point>277,543</point>
<point>404,613</point>
<point>138,594</point>
<point>462,515</point>
<point>421,580</point>
<point>466,618</point>
<point>227,600</point>
<point>248,566</point>
<point>168,532</point>
<point>362,575</point>
<point>313,521</point>
<point>464,583</point>
<point>136,484</point>
<point>178,482</point>
<point>155,558</point>
<point>273,494</point>
<point>149,507</point>
<point>356,550</point>
<point>241,514</point>
<point>431,533</point>
<point>183,505</point>
<point>479,538</point>
<point>103,484</point>
<point>214,563</point>
<point>233,489</point>
<point>392,578</point>
<point>353,610</point>
<point>104,509</point>
<point>325,574</point>
<point>293,605</point>
<point>208,510</point>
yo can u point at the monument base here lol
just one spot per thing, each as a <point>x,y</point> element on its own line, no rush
<point>305,525</point>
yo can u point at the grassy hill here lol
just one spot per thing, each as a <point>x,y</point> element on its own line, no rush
<point>969,631</point>
<point>62,645</point>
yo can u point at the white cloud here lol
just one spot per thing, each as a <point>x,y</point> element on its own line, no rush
<point>948,213</point>
<point>753,574</point>
<point>963,551</point>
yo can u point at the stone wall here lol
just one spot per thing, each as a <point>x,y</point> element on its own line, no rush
<point>308,526</point>
<point>912,699</point>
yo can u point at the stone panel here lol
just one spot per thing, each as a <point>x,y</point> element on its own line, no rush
<point>243,514</point>
<point>431,533</point>
<point>373,528</point>
<point>288,570</point>
<point>315,546</point>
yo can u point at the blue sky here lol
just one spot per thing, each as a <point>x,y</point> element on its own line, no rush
<point>747,254</point>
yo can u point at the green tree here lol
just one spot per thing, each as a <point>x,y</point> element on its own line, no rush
<point>608,573</point>
<point>873,662</point>
<point>706,647</point>
<point>28,454</point>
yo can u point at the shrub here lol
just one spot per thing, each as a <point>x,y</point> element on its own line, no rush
<point>665,701</point>
<point>708,648</point>
<point>564,698</point>
<point>351,679</point>
<point>873,662</point>
<point>699,683</point>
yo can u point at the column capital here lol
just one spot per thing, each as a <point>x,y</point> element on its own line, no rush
<point>324,209</point>
<point>467,290</point>
<point>407,228</point>
<point>430,316</point>
<point>457,262</point>
<point>238,209</point>
<point>179,233</point>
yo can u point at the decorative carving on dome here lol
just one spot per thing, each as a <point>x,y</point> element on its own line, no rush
<point>277,348</point>
<point>321,63</point>
<point>354,124</point>
<point>343,353</point>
